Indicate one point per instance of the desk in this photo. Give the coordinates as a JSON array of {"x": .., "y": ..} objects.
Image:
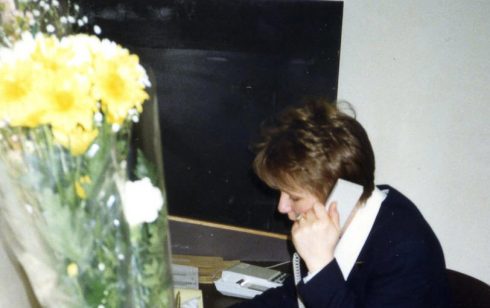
[
  {"x": 201, "y": 239},
  {"x": 190, "y": 237},
  {"x": 213, "y": 299}
]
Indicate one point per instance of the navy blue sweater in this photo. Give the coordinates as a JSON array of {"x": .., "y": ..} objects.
[{"x": 400, "y": 265}]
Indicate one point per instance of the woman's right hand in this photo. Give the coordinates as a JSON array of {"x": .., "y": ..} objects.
[{"x": 316, "y": 234}]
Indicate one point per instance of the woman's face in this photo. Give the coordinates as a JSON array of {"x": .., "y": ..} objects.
[{"x": 294, "y": 203}]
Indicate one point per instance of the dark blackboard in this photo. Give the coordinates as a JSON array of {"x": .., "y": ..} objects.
[{"x": 222, "y": 67}]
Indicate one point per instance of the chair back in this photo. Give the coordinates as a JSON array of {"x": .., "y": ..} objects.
[{"x": 467, "y": 291}]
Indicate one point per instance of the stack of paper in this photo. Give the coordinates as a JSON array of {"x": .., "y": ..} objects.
[
  {"x": 209, "y": 268},
  {"x": 186, "y": 286}
]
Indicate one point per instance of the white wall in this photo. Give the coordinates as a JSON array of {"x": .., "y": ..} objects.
[{"x": 418, "y": 74}]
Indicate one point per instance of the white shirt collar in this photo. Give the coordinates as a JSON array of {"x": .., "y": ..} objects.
[{"x": 350, "y": 245}]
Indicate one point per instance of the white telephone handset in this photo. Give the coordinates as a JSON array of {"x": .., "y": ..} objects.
[{"x": 346, "y": 194}]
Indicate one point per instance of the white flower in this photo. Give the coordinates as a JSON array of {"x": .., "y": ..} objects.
[
  {"x": 141, "y": 202},
  {"x": 97, "y": 30},
  {"x": 50, "y": 28},
  {"x": 94, "y": 148},
  {"x": 21, "y": 50}
]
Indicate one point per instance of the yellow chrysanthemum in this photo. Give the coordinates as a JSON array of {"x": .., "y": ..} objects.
[
  {"x": 68, "y": 99},
  {"x": 82, "y": 50},
  {"x": 77, "y": 140},
  {"x": 79, "y": 189},
  {"x": 72, "y": 270},
  {"x": 63, "y": 83},
  {"x": 18, "y": 87},
  {"x": 49, "y": 55},
  {"x": 86, "y": 46},
  {"x": 85, "y": 179},
  {"x": 118, "y": 83},
  {"x": 49, "y": 84}
]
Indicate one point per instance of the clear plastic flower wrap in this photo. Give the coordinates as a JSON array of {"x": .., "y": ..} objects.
[{"x": 69, "y": 205}]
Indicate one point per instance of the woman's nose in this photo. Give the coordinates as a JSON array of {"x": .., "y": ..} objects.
[{"x": 284, "y": 206}]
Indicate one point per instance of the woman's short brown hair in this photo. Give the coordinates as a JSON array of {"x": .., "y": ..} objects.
[{"x": 311, "y": 146}]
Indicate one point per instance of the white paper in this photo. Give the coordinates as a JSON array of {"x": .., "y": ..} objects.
[{"x": 185, "y": 276}]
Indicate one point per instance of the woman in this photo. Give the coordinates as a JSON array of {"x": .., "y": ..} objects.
[{"x": 386, "y": 255}]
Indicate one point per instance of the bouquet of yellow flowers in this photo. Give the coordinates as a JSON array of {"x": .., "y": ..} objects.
[{"x": 84, "y": 232}]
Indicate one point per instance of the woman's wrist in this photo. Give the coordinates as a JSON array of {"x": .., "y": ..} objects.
[{"x": 316, "y": 265}]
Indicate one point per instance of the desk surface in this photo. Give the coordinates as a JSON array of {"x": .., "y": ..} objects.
[
  {"x": 229, "y": 245},
  {"x": 213, "y": 299}
]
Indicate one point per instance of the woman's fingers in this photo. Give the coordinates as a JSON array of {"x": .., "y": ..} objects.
[
  {"x": 320, "y": 211},
  {"x": 333, "y": 213}
]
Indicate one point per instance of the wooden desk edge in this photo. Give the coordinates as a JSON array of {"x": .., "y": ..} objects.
[{"x": 227, "y": 227}]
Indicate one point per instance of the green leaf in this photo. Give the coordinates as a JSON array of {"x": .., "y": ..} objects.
[{"x": 145, "y": 168}]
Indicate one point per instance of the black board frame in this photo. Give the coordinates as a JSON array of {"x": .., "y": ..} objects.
[{"x": 222, "y": 67}]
